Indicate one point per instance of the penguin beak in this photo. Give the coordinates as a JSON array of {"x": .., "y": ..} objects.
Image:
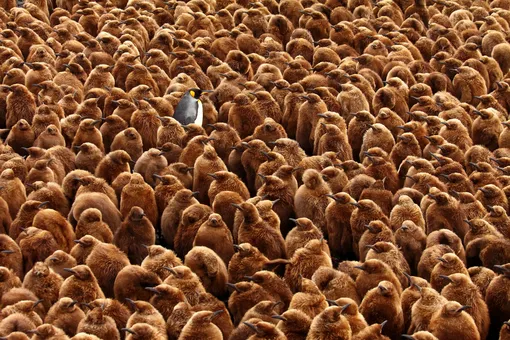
[
  {"x": 152, "y": 289},
  {"x": 215, "y": 314},
  {"x": 279, "y": 317}
]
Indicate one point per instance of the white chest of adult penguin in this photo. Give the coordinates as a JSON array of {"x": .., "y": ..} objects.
[{"x": 190, "y": 110}]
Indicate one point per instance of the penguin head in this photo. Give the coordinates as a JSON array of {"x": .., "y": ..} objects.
[{"x": 196, "y": 93}]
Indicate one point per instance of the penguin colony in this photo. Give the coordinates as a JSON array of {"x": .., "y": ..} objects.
[{"x": 347, "y": 176}]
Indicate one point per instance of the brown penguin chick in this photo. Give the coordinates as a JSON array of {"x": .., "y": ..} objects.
[
  {"x": 374, "y": 331},
  {"x": 88, "y": 157},
  {"x": 193, "y": 149},
  {"x": 208, "y": 162},
  {"x": 138, "y": 279},
  {"x": 15, "y": 197},
  {"x": 245, "y": 296},
  {"x": 145, "y": 121},
  {"x": 130, "y": 197},
  {"x": 188, "y": 282},
  {"x": 445, "y": 213},
  {"x": 136, "y": 226},
  {"x": 357, "y": 127},
  {"x": 411, "y": 240},
  {"x": 391, "y": 255},
  {"x": 143, "y": 331},
  {"x": 226, "y": 181},
  {"x": 173, "y": 212},
  {"x": 334, "y": 140},
  {"x": 376, "y": 231},
  {"x": 406, "y": 210},
  {"x": 273, "y": 162},
  {"x": 209, "y": 267},
  {"x": 305, "y": 262},
  {"x": 468, "y": 83},
  {"x": 262, "y": 311},
  {"x": 487, "y": 128},
  {"x": 60, "y": 260},
  {"x": 429, "y": 259},
  {"x": 269, "y": 131},
  {"x": 130, "y": 141},
  {"x": 96, "y": 322},
  {"x": 112, "y": 165},
  {"x": 498, "y": 217},
  {"x": 496, "y": 295},
  {"x": 374, "y": 271},
  {"x": 257, "y": 232},
  {"x": 338, "y": 215},
  {"x": 225, "y": 137},
  {"x": 407, "y": 145},
  {"x": 144, "y": 312},
  {"x": 111, "y": 126},
  {"x": 311, "y": 201},
  {"x": 471, "y": 207},
  {"x": 91, "y": 223},
  {"x": 452, "y": 320},
  {"x": 33, "y": 239},
  {"x": 200, "y": 325},
  {"x": 20, "y": 105},
  {"x": 335, "y": 284},
  {"x": 192, "y": 218},
  {"x": 479, "y": 228},
  {"x": 299, "y": 236},
  {"x": 106, "y": 271},
  {"x": 377, "y": 136},
  {"x": 9, "y": 280},
  {"x": 180, "y": 315},
  {"x": 282, "y": 196},
  {"x": 350, "y": 312},
  {"x": 308, "y": 298},
  {"x": 50, "y": 137},
  {"x": 307, "y": 120},
  {"x": 81, "y": 286},
  {"x": 243, "y": 116},
  {"x": 151, "y": 162},
  {"x": 21, "y": 135},
  {"x": 384, "y": 297},
  {"x": 158, "y": 258},
  {"x": 170, "y": 131},
  {"x": 247, "y": 261},
  {"x": 47, "y": 331},
  {"x": 274, "y": 285},
  {"x": 57, "y": 225},
  {"x": 492, "y": 195},
  {"x": 481, "y": 277},
  {"x": 215, "y": 235},
  {"x": 251, "y": 159},
  {"x": 83, "y": 248},
  {"x": 379, "y": 195},
  {"x": 330, "y": 321},
  {"x": 464, "y": 291},
  {"x": 66, "y": 315},
  {"x": 166, "y": 189},
  {"x": 91, "y": 195},
  {"x": 89, "y": 133},
  {"x": 365, "y": 212},
  {"x": 294, "y": 324},
  {"x": 448, "y": 264},
  {"x": 454, "y": 132},
  {"x": 165, "y": 298},
  {"x": 10, "y": 255},
  {"x": 41, "y": 172},
  {"x": 428, "y": 303}
]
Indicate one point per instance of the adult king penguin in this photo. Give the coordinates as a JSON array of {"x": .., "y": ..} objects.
[{"x": 190, "y": 109}]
